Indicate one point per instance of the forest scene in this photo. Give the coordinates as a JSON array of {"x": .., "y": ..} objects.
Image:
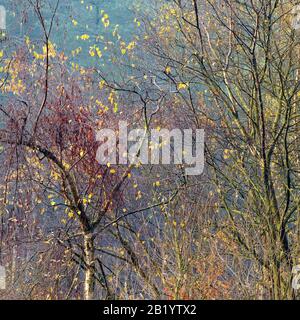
[{"x": 149, "y": 150}]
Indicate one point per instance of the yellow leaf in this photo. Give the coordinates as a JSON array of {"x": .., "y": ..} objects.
[
  {"x": 85, "y": 37},
  {"x": 226, "y": 154},
  {"x": 182, "y": 86},
  {"x": 168, "y": 70},
  {"x": 105, "y": 20},
  {"x": 71, "y": 214}
]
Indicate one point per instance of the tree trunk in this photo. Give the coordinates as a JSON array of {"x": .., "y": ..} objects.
[{"x": 89, "y": 252}]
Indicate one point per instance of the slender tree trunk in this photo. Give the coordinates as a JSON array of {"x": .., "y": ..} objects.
[
  {"x": 276, "y": 282},
  {"x": 89, "y": 252}
]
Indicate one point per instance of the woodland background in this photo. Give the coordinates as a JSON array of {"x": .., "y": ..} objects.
[{"x": 73, "y": 229}]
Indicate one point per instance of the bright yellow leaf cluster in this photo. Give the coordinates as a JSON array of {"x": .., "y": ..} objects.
[
  {"x": 105, "y": 20},
  {"x": 94, "y": 50},
  {"x": 84, "y": 37}
]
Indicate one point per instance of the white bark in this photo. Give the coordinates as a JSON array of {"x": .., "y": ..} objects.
[{"x": 89, "y": 282}]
